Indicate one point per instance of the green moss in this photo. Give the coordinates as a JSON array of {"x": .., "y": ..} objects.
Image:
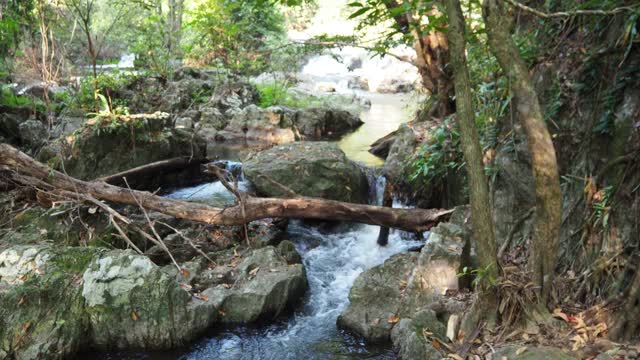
[{"x": 73, "y": 259}]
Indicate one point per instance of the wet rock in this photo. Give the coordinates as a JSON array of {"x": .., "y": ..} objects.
[
  {"x": 33, "y": 133},
  {"x": 408, "y": 340},
  {"x": 393, "y": 86},
  {"x": 288, "y": 251},
  {"x": 261, "y": 287},
  {"x": 131, "y": 303},
  {"x": 316, "y": 169},
  {"x": 212, "y": 117},
  {"x": 271, "y": 125},
  {"x": 325, "y": 123},
  {"x": 100, "y": 153},
  {"x": 382, "y": 146},
  {"x": 41, "y": 312},
  {"x": 184, "y": 123},
  {"x": 374, "y": 299},
  {"x": 358, "y": 83}
]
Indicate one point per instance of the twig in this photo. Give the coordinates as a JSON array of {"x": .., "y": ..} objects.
[
  {"x": 187, "y": 239},
  {"x": 157, "y": 240},
  {"x": 241, "y": 196},
  {"x": 288, "y": 192},
  {"x": 561, "y": 14}
]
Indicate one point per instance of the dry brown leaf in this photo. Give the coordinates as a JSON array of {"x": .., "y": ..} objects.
[
  {"x": 557, "y": 313},
  {"x": 134, "y": 316},
  {"x": 26, "y": 327},
  {"x": 221, "y": 312},
  {"x": 226, "y": 286},
  {"x": 254, "y": 271},
  {"x": 185, "y": 272},
  {"x": 393, "y": 319},
  {"x": 201, "y": 296},
  {"x": 23, "y": 300}
]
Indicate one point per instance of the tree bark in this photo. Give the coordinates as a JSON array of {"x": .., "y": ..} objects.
[
  {"x": 482, "y": 220},
  {"x": 432, "y": 52},
  {"x": 26, "y": 171},
  {"x": 543, "y": 157}
]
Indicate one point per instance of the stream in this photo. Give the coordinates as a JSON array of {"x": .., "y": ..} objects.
[{"x": 333, "y": 260}]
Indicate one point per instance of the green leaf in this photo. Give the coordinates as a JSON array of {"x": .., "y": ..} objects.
[{"x": 358, "y": 12}]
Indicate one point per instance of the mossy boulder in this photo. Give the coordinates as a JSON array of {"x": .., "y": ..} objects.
[
  {"x": 375, "y": 298},
  {"x": 316, "y": 169},
  {"x": 261, "y": 287},
  {"x": 57, "y": 301},
  {"x": 409, "y": 340},
  {"x": 100, "y": 150},
  {"x": 131, "y": 303},
  {"x": 41, "y": 305}
]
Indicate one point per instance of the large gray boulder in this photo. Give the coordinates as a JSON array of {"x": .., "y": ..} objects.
[
  {"x": 56, "y": 301},
  {"x": 316, "y": 169},
  {"x": 325, "y": 123},
  {"x": 375, "y": 298},
  {"x": 131, "y": 303},
  {"x": 274, "y": 125},
  {"x": 262, "y": 286},
  {"x": 41, "y": 304},
  {"x": 409, "y": 340},
  {"x": 404, "y": 295},
  {"x": 97, "y": 151}
]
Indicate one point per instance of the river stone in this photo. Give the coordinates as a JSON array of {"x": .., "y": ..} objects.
[
  {"x": 263, "y": 287},
  {"x": 272, "y": 125},
  {"x": 41, "y": 312},
  {"x": 100, "y": 153},
  {"x": 131, "y": 303},
  {"x": 325, "y": 123},
  {"x": 316, "y": 169},
  {"x": 288, "y": 251},
  {"x": 212, "y": 117},
  {"x": 33, "y": 133},
  {"x": 409, "y": 341},
  {"x": 375, "y": 298}
]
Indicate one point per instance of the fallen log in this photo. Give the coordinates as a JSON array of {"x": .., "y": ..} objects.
[
  {"x": 27, "y": 171},
  {"x": 176, "y": 172}
]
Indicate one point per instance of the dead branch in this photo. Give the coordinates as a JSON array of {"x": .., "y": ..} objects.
[{"x": 562, "y": 14}]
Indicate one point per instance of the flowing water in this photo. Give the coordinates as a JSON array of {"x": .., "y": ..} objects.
[{"x": 333, "y": 262}]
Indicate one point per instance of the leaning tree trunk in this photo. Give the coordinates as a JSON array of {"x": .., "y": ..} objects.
[
  {"x": 26, "y": 171},
  {"x": 432, "y": 53},
  {"x": 543, "y": 157},
  {"x": 482, "y": 220}
]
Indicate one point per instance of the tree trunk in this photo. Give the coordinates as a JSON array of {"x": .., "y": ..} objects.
[
  {"x": 482, "y": 220},
  {"x": 432, "y": 52},
  {"x": 543, "y": 157},
  {"x": 26, "y": 171}
]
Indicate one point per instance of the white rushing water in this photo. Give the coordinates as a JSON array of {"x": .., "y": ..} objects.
[{"x": 333, "y": 262}]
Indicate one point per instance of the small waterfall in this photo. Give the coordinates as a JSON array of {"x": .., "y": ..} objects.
[{"x": 233, "y": 167}]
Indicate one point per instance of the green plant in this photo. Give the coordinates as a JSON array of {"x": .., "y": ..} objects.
[
  {"x": 438, "y": 156},
  {"x": 107, "y": 83},
  {"x": 10, "y": 100},
  {"x": 480, "y": 275}
]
